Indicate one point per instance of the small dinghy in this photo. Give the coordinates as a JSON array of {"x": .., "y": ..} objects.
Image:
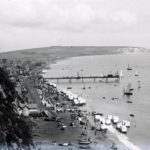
[
  {"x": 84, "y": 146},
  {"x": 84, "y": 142}
]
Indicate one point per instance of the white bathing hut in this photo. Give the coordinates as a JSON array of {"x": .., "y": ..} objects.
[
  {"x": 123, "y": 129},
  {"x": 115, "y": 119},
  {"x": 126, "y": 123}
]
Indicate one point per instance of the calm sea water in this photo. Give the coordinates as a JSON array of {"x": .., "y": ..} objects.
[{"x": 139, "y": 133}]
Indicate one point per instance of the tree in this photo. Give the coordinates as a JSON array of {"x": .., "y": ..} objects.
[{"x": 13, "y": 128}]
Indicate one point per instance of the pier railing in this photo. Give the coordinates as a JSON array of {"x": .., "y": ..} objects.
[{"x": 84, "y": 77}]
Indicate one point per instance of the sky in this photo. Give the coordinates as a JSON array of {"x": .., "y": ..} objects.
[{"x": 40, "y": 23}]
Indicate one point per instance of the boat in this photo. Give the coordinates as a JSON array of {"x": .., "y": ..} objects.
[
  {"x": 136, "y": 73},
  {"x": 129, "y": 68},
  {"x": 121, "y": 74},
  {"x": 84, "y": 146},
  {"x": 84, "y": 142},
  {"x": 139, "y": 84},
  {"x": 69, "y": 88},
  {"x": 128, "y": 90},
  {"x": 129, "y": 102}
]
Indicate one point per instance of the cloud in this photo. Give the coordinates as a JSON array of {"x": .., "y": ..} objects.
[
  {"x": 40, "y": 22},
  {"x": 51, "y": 15}
]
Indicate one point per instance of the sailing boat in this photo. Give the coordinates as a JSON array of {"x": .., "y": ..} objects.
[
  {"x": 128, "y": 90},
  {"x": 129, "y": 68},
  {"x": 139, "y": 84},
  {"x": 121, "y": 74},
  {"x": 136, "y": 73}
]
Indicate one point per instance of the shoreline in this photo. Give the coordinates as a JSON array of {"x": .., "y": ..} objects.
[
  {"x": 34, "y": 65},
  {"x": 124, "y": 141},
  {"x": 109, "y": 144}
]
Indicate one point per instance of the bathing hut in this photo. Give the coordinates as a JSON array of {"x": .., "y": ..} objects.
[{"x": 29, "y": 109}]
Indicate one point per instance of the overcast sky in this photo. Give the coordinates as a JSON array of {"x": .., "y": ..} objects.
[{"x": 38, "y": 23}]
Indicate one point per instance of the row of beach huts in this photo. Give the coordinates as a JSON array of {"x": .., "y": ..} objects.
[{"x": 105, "y": 122}]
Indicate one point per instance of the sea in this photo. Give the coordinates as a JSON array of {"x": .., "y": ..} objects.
[{"x": 107, "y": 97}]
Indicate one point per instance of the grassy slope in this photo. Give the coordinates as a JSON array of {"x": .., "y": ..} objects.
[{"x": 58, "y": 52}]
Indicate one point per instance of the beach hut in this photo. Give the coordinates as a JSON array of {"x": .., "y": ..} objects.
[
  {"x": 29, "y": 109},
  {"x": 108, "y": 121},
  {"x": 123, "y": 129},
  {"x": 25, "y": 111},
  {"x": 82, "y": 101},
  {"x": 76, "y": 102},
  {"x": 115, "y": 119},
  {"x": 119, "y": 124}
]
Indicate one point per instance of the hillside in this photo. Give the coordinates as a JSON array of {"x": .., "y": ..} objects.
[{"x": 60, "y": 52}]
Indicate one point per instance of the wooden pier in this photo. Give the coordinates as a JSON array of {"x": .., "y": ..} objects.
[{"x": 84, "y": 77}]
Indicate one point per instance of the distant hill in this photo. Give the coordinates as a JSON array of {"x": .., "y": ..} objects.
[{"x": 60, "y": 52}]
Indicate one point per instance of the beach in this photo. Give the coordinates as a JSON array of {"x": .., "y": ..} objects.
[
  {"x": 108, "y": 106},
  {"x": 104, "y": 97}
]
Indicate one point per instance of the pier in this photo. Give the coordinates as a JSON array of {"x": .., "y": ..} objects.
[{"x": 84, "y": 77}]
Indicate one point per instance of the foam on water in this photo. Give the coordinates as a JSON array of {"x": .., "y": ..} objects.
[{"x": 123, "y": 139}]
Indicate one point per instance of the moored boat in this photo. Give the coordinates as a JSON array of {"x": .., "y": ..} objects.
[
  {"x": 136, "y": 73},
  {"x": 128, "y": 90},
  {"x": 84, "y": 142},
  {"x": 121, "y": 74},
  {"x": 129, "y": 68}
]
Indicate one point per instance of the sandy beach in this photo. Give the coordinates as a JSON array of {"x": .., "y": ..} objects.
[{"x": 107, "y": 107}]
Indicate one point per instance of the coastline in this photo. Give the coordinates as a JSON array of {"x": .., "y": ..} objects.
[
  {"x": 106, "y": 139},
  {"x": 118, "y": 141},
  {"x": 103, "y": 141}
]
